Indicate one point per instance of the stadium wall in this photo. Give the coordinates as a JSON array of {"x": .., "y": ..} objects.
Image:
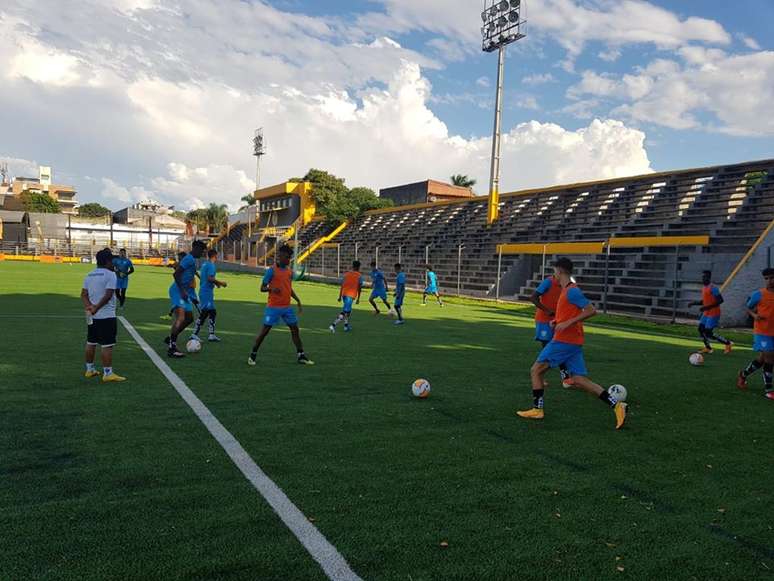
[{"x": 745, "y": 279}]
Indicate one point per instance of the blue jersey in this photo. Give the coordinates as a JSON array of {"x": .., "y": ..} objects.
[
  {"x": 122, "y": 266},
  {"x": 400, "y": 285},
  {"x": 377, "y": 277},
  {"x": 205, "y": 272},
  {"x": 432, "y": 280},
  {"x": 188, "y": 267}
]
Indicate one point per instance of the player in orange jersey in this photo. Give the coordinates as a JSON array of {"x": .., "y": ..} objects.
[
  {"x": 545, "y": 299},
  {"x": 710, "y": 302},
  {"x": 760, "y": 307},
  {"x": 567, "y": 348},
  {"x": 278, "y": 282},
  {"x": 351, "y": 287}
]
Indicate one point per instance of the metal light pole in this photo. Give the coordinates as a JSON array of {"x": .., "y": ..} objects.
[
  {"x": 502, "y": 26},
  {"x": 259, "y": 150}
]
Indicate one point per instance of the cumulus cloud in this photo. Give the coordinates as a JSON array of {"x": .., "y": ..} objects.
[
  {"x": 170, "y": 116},
  {"x": 20, "y": 167},
  {"x": 734, "y": 90},
  {"x": 538, "y": 79}
]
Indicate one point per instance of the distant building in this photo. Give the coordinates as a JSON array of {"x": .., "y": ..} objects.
[
  {"x": 148, "y": 212},
  {"x": 42, "y": 184},
  {"x": 425, "y": 192}
]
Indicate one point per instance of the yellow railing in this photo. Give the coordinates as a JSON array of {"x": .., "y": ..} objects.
[
  {"x": 320, "y": 242},
  {"x": 598, "y": 247}
]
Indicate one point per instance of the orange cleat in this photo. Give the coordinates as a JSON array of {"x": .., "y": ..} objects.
[
  {"x": 707, "y": 350},
  {"x": 533, "y": 414},
  {"x": 741, "y": 381},
  {"x": 620, "y": 414},
  {"x": 728, "y": 348}
]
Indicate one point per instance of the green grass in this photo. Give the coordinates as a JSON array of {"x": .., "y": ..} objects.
[{"x": 123, "y": 482}]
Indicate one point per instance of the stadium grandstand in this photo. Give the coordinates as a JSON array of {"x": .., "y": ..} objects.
[{"x": 640, "y": 243}]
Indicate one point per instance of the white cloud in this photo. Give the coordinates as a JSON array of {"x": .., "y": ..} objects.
[
  {"x": 539, "y": 79},
  {"x": 751, "y": 43},
  {"x": 47, "y": 66},
  {"x": 734, "y": 90},
  {"x": 20, "y": 167},
  {"x": 197, "y": 187},
  {"x": 113, "y": 191},
  {"x": 528, "y": 102},
  {"x": 484, "y": 82}
]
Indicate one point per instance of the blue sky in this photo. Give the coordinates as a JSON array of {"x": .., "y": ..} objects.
[{"x": 129, "y": 99}]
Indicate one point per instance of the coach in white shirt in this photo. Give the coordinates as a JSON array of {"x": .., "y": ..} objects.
[{"x": 99, "y": 300}]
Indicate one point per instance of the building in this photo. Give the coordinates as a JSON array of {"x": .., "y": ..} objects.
[
  {"x": 425, "y": 192},
  {"x": 42, "y": 184},
  {"x": 281, "y": 205},
  {"x": 148, "y": 212}
]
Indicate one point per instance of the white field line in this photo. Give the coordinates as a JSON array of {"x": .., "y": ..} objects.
[{"x": 332, "y": 562}]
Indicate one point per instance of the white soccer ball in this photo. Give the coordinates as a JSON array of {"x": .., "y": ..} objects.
[
  {"x": 420, "y": 388},
  {"x": 696, "y": 359},
  {"x": 193, "y": 346},
  {"x": 618, "y": 392}
]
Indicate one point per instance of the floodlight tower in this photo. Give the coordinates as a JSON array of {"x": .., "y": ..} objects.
[
  {"x": 259, "y": 150},
  {"x": 503, "y": 22}
]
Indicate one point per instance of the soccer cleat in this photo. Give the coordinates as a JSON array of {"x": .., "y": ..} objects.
[
  {"x": 769, "y": 394},
  {"x": 332, "y": 328},
  {"x": 533, "y": 414},
  {"x": 567, "y": 382},
  {"x": 167, "y": 340},
  {"x": 377, "y": 313},
  {"x": 400, "y": 322},
  {"x": 213, "y": 338},
  {"x": 424, "y": 304},
  {"x": 92, "y": 373},
  {"x": 304, "y": 360},
  {"x": 741, "y": 381},
  {"x": 620, "y": 414},
  {"x": 175, "y": 354},
  {"x": 251, "y": 361},
  {"x": 113, "y": 377},
  {"x": 194, "y": 337},
  {"x": 707, "y": 350},
  {"x": 728, "y": 348},
  {"x": 347, "y": 328}
]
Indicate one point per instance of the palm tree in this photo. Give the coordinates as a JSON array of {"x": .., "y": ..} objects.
[
  {"x": 217, "y": 217},
  {"x": 249, "y": 200},
  {"x": 463, "y": 181}
]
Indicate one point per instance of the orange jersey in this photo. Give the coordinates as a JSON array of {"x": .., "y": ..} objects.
[
  {"x": 570, "y": 305},
  {"x": 281, "y": 279},
  {"x": 763, "y": 303},
  {"x": 709, "y": 296},
  {"x": 350, "y": 286},
  {"x": 549, "y": 299}
]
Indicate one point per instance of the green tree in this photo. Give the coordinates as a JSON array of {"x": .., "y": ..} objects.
[
  {"x": 249, "y": 200},
  {"x": 463, "y": 181},
  {"x": 336, "y": 202},
  {"x": 34, "y": 202},
  {"x": 198, "y": 218},
  {"x": 217, "y": 217},
  {"x": 93, "y": 210}
]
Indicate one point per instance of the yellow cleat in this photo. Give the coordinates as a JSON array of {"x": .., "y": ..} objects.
[
  {"x": 92, "y": 373},
  {"x": 533, "y": 414},
  {"x": 620, "y": 414},
  {"x": 728, "y": 348},
  {"x": 113, "y": 377}
]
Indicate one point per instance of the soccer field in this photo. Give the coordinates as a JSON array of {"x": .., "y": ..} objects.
[{"x": 123, "y": 481}]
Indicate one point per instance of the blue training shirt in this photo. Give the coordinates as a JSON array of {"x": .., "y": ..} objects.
[
  {"x": 544, "y": 287},
  {"x": 577, "y": 298},
  {"x": 400, "y": 284},
  {"x": 377, "y": 277},
  {"x": 205, "y": 272},
  {"x": 754, "y": 299},
  {"x": 432, "y": 279},
  {"x": 188, "y": 266},
  {"x": 122, "y": 266}
]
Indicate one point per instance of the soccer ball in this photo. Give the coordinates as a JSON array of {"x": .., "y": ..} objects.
[
  {"x": 618, "y": 392},
  {"x": 420, "y": 388},
  {"x": 193, "y": 346},
  {"x": 696, "y": 359}
]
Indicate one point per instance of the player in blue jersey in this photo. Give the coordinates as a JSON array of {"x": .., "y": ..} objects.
[
  {"x": 123, "y": 267},
  {"x": 379, "y": 288},
  {"x": 207, "y": 310},
  {"x": 400, "y": 292},
  {"x": 432, "y": 287},
  {"x": 181, "y": 295}
]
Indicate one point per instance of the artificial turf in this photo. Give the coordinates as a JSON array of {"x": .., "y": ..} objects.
[{"x": 121, "y": 481}]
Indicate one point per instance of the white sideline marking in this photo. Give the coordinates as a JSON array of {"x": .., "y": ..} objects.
[{"x": 321, "y": 550}]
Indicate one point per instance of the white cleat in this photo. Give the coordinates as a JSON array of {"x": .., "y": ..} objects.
[
  {"x": 213, "y": 338},
  {"x": 195, "y": 337},
  {"x": 332, "y": 329},
  {"x": 251, "y": 362},
  {"x": 399, "y": 322}
]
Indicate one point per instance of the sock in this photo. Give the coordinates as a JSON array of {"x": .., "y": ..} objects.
[
  {"x": 211, "y": 323},
  {"x": 537, "y": 398},
  {"x": 198, "y": 326},
  {"x": 90, "y": 367},
  {"x": 720, "y": 339},
  {"x": 768, "y": 374},
  {"x": 107, "y": 370},
  {"x": 754, "y": 366},
  {"x": 608, "y": 399},
  {"x": 563, "y": 371},
  {"x": 254, "y": 353},
  {"x": 300, "y": 354}
]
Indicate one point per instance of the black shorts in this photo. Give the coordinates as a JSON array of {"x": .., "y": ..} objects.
[{"x": 102, "y": 332}]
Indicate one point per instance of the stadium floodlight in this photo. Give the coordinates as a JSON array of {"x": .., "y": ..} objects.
[
  {"x": 259, "y": 150},
  {"x": 504, "y": 23}
]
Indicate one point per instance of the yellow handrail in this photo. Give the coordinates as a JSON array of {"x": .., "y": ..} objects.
[
  {"x": 747, "y": 256},
  {"x": 320, "y": 241}
]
